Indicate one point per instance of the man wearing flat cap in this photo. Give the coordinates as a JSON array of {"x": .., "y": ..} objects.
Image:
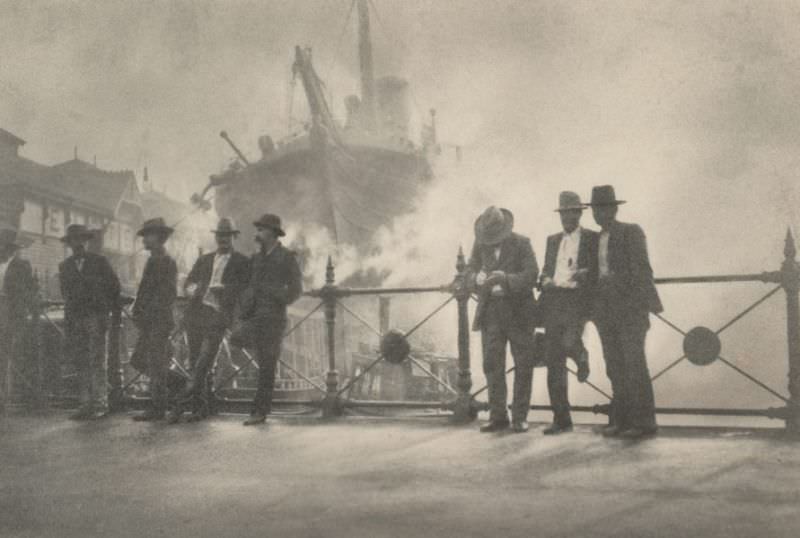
[
  {"x": 275, "y": 283},
  {"x": 568, "y": 276},
  {"x": 17, "y": 297},
  {"x": 214, "y": 287},
  {"x": 153, "y": 315},
  {"x": 503, "y": 270},
  {"x": 90, "y": 289},
  {"x": 624, "y": 298}
]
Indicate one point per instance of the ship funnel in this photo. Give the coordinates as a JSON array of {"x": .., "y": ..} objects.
[{"x": 393, "y": 105}]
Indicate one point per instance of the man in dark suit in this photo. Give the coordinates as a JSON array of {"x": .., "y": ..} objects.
[
  {"x": 214, "y": 286},
  {"x": 625, "y": 296},
  {"x": 90, "y": 290},
  {"x": 153, "y": 315},
  {"x": 17, "y": 296},
  {"x": 568, "y": 276},
  {"x": 503, "y": 270},
  {"x": 275, "y": 283}
]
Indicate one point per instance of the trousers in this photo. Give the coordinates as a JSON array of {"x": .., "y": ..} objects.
[
  {"x": 565, "y": 316},
  {"x": 86, "y": 341},
  {"x": 623, "y": 335},
  {"x": 204, "y": 342},
  {"x": 496, "y": 335},
  {"x": 154, "y": 349},
  {"x": 268, "y": 342}
]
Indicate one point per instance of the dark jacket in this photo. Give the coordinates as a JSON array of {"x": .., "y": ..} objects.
[
  {"x": 587, "y": 259},
  {"x": 19, "y": 292},
  {"x": 518, "y": 261},
  {"x": 92, "y": 290},
  {"x": 156, "y": 295},
  {"x": 235, "y": 279},
  {"x": 630, "y": 286},
  {"x": 275, "y": 283}
]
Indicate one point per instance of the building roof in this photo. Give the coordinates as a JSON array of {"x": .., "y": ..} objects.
[
  {"x": 74, "y": 181},
  {"x": 10, "y": 138}
]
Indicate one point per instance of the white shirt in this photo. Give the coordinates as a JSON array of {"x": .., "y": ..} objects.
[
  {"x": 603, "y": 254},
  {"x": 567, "y": 259},
  {"x": 3, "y": 269},
  {"x": 220, "y": 262}
]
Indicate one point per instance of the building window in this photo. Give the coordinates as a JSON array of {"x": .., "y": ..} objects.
[{"x": 32, "y": 214}]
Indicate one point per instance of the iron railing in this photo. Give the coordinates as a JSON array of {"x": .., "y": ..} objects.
[{"x": 701, "y": 347}]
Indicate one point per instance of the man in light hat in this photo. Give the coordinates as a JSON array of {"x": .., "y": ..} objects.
[
  {"x": 153, "y": 315},
  {"x": 17, "y": 297},
  {"x": 90, "y": 290},
  {"x": 275, "y": 283},
  {"x": 503, "y": 271},
  {"x": 214, "y": 287},
  {"x": 625, "y": 296},
  {"x": 568, "y": 276}
]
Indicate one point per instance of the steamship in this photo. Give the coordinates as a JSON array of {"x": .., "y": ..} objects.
[{"x": 349, "y": 178}]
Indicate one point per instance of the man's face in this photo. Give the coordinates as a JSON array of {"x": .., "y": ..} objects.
[
  {"x": 570, "y": 219},
  {"x": 76, "y": 244},
  {"x": 266, "y": 236},
  {"x": 224, "y": 242},
  {"x": 604, "y": 215},
  {"x": 151, "y": 241}
]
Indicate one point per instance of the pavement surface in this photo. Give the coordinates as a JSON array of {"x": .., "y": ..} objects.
[{"x": 373, "y": 478}]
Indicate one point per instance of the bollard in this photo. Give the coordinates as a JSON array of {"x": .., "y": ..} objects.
[
  {"x": 464, "y": 410},
  {"x": 790, "y": 280},
  {"x": 330, "y": 405}
]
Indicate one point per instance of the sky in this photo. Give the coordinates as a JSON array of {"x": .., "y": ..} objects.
[{"x": 689, "y": 108}]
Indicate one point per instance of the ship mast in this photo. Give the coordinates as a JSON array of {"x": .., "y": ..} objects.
[{"x": 365, "y": 61}]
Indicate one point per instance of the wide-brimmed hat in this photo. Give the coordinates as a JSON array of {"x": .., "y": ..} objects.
[
  {"x": 271, "y": 222},
  {"x": 493, "y": 226},
  {"x": 226, "y": 226},
  {"x": 604, "y": 195},
  {"x": 569, "y": 201},
  {"x": 156, "y": 225},
  {"x": 79, "y": 232}
]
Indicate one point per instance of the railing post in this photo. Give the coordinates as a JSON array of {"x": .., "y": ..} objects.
[
  {"x": 331, "y": 406},
  {"x": 790, "y": 280},
  {"x": 464, "y": 411},
  {"x": 114, "y": 366},
  {"x": 37, "y": 333}
]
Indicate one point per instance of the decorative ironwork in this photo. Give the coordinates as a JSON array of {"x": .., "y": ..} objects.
[{"x": 701, "y": 346}]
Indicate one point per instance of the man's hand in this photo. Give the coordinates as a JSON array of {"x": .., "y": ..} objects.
[
  {"x": 480, "y": 279},
  {"x": 495, "y": 277},
  {"x": 580, "y": 276},
  {"x": 191, "y": 289}
]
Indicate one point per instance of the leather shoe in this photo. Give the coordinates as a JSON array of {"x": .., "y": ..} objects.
[
  {"x": 555, "y": 429},
  {"x": 174, "y": 416},
  {"x": 255, "y": 419},
  {"x": 638, "y": 433},
  {"x": 149, "y": 416},
  {"x": 610, "y": 431},
  {"x": 494, "y": 426},
  {"x": 519, "y": 426},
  {"x": 195, "y": 417},
  {"x": 583, "y": 366},
  {"x": 84, "y": 413}
]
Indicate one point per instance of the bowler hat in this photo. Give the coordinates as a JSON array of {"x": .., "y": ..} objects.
[
  {"x": 569, "y": 201},
  {"x": 270, "y": 222},
  {"x": 493, "y": 226},
  {"x": 604, "y": 195},
  {"x": 226, "y": 226},
  {"x": 79, "y": 232},
  {"x": 156, "y": 225}
]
